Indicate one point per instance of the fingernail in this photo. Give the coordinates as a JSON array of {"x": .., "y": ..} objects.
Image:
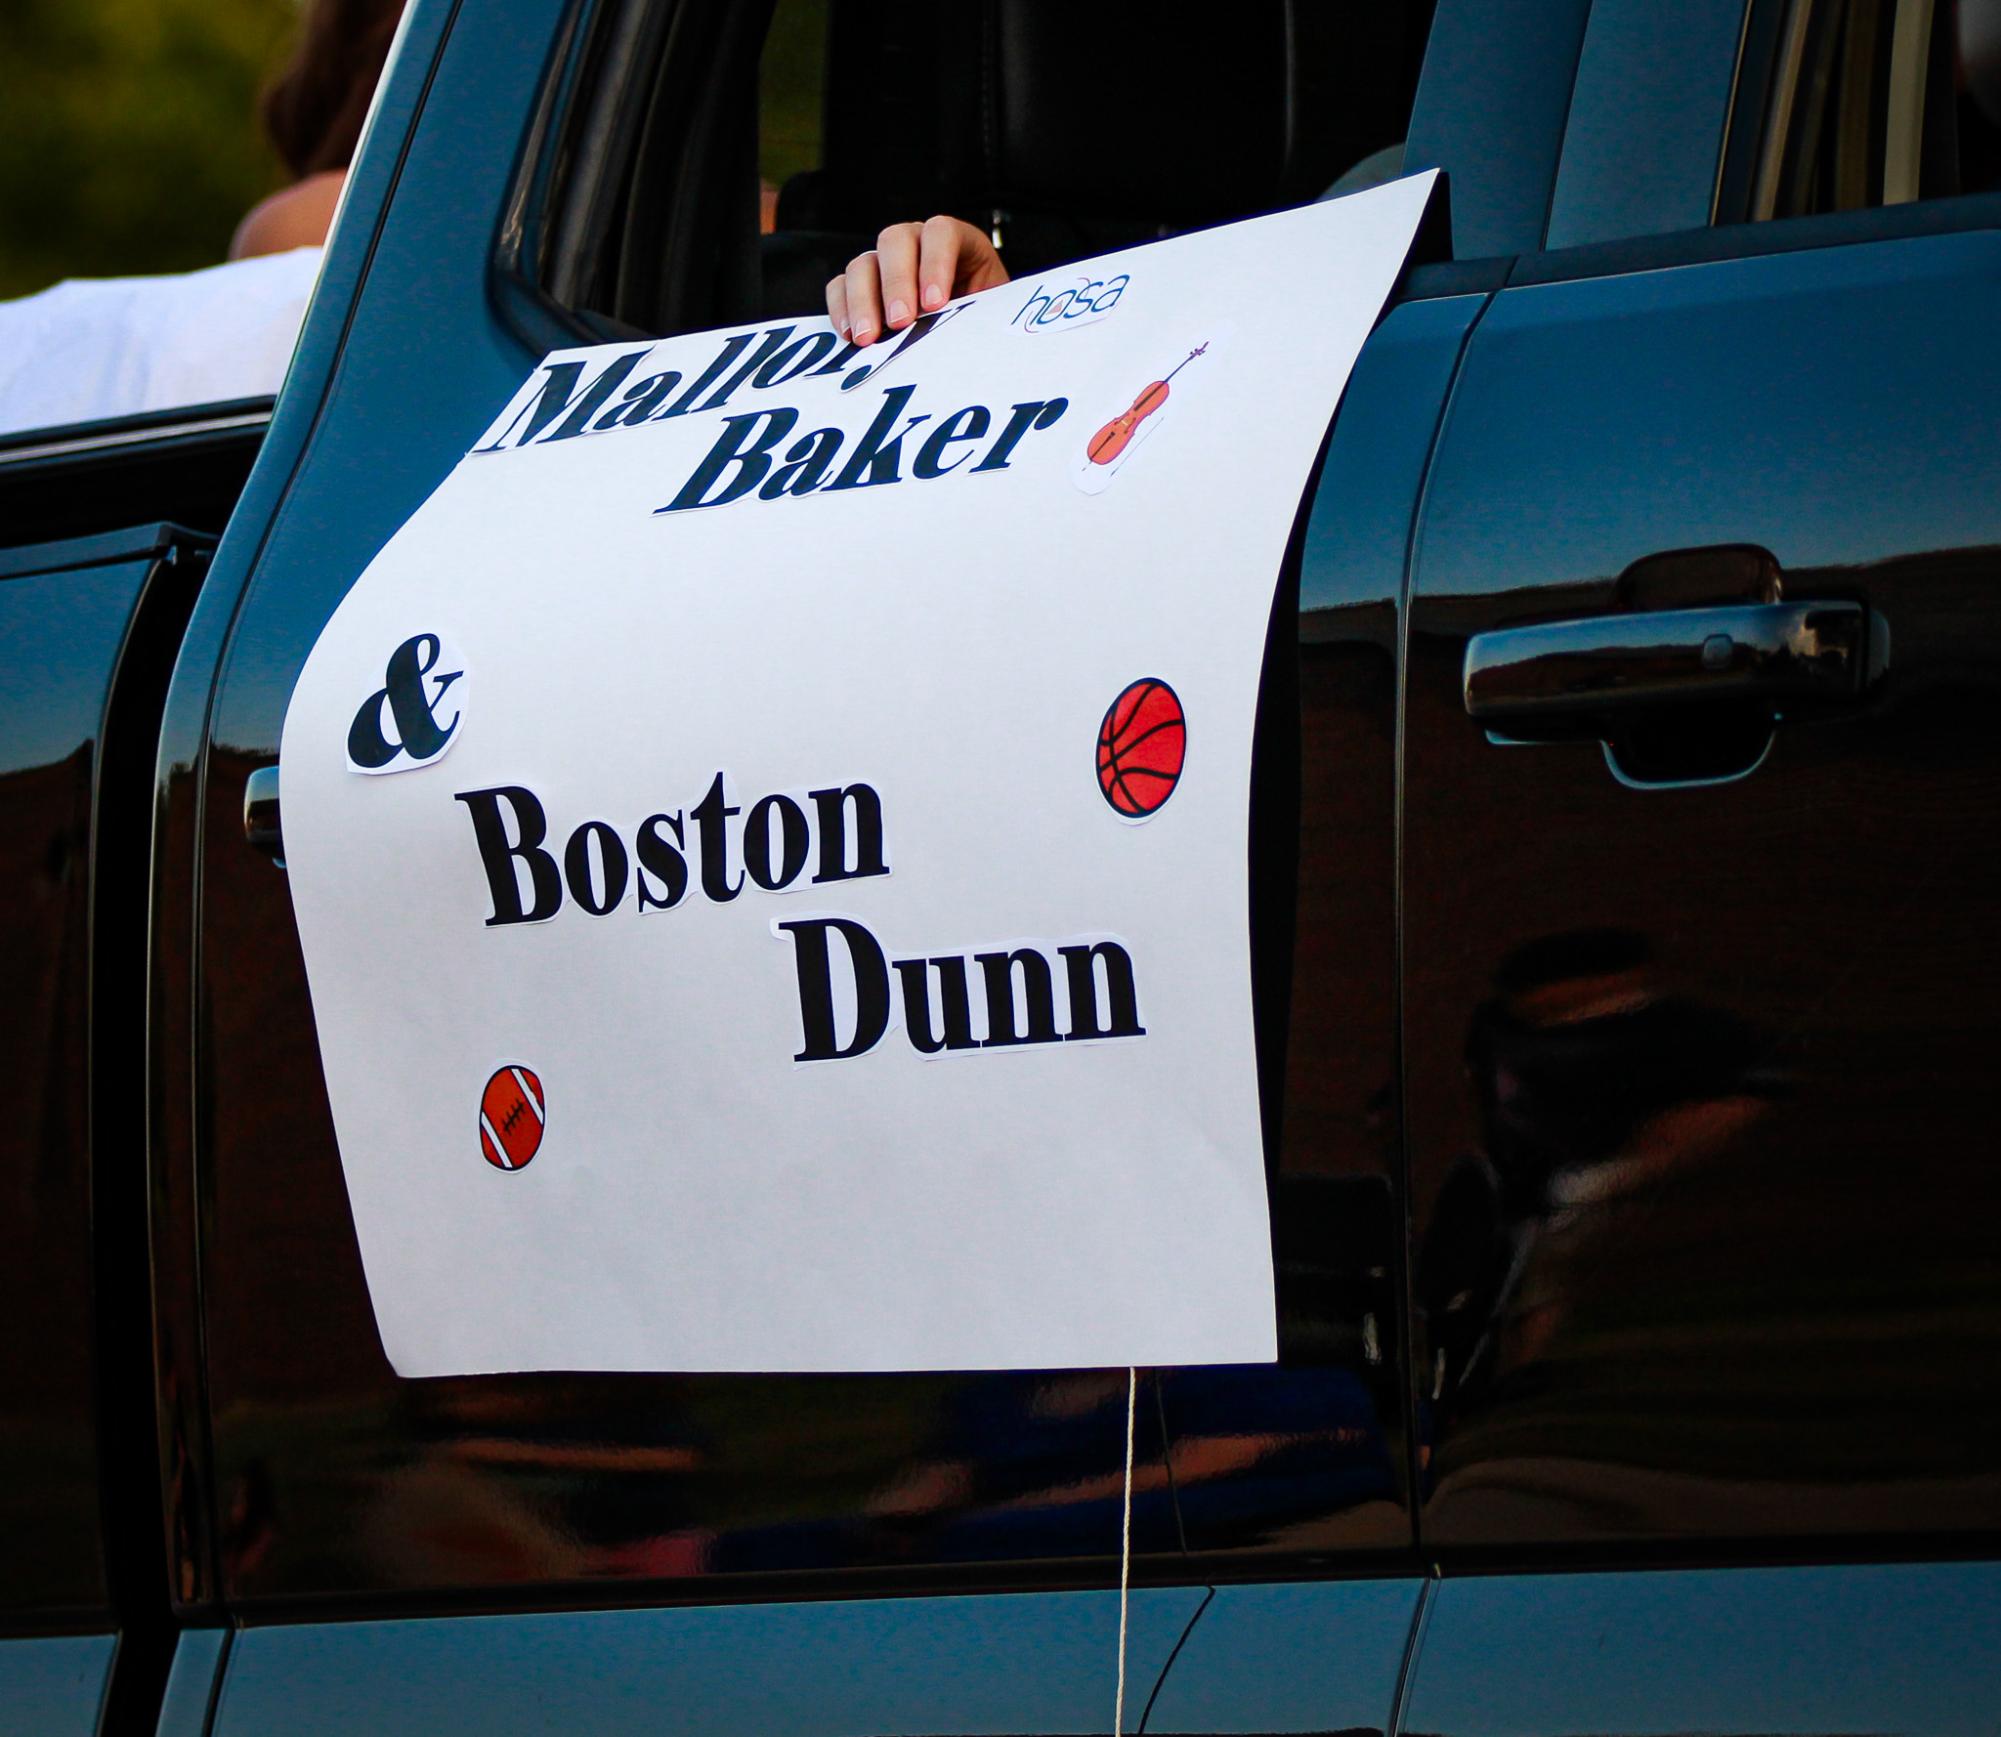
[
  {"x": 898, "y": 313},
  {"x": 864, "y": 334},
  {"x": 933, "y": 295}
]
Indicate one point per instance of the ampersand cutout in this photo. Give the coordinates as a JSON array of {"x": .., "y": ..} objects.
[{"x": 413, "y": 688}]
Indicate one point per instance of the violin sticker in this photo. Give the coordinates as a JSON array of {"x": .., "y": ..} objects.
[{"x": 1113, "y": 444}]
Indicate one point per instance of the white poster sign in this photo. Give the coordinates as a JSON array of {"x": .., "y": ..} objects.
[{"x": 768, "y": 835}]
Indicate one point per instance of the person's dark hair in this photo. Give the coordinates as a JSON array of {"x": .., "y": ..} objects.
[{"x": 314, "y": 108}]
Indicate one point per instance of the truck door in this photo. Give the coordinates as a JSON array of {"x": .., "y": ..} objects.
[
  {"x": 88, "y": 626},
  {"x": 1700, "y": 782},
  {"x": 105, "y": 532},
  {"x": 318, "y": 1480}
]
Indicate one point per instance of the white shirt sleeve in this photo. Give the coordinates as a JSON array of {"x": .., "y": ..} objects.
[{"x": 98, "y": 347}]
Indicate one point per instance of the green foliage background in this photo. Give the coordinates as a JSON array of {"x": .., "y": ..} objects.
[{"x": 128, "y": 132}]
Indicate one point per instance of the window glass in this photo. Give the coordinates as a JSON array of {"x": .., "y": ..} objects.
[
  {"x": 1722, "y": 111},
  {"x": 1879, "y": 102},
  {"x": 792, "y": 75},
  {"x": 717, "y": 163}
]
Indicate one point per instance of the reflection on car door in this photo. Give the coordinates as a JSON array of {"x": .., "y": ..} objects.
[
  {"x": 1893, "y": 1647},
  {"x": 1699, "y": 919},
  {"x": 840, "y": 1668}
]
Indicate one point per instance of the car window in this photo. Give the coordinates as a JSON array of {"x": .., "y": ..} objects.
[
  {"x": 1878, "y": 102},
  {"x": 1720, "y": 113},
  {"x": 716, "y": 164},
  {"x": 791, "y": 107}
]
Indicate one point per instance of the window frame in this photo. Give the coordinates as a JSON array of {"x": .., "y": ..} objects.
[
  {"x": 518, "y": 269},
  {"x": 1658, "y": 73}
]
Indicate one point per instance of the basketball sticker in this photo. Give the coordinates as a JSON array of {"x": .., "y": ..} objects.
[
  {"x": 512, "y": 1115},
  {"x": 1141, "y": 747}
]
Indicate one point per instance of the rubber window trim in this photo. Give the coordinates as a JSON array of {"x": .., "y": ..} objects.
[{"x": 1958, "y": 215}]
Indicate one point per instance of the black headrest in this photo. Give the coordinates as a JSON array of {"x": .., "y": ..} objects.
[
  {"x": 1130, "y": 109},
  {"x": 1184, "y": 118},
  {"x": 901, "y": 83}
]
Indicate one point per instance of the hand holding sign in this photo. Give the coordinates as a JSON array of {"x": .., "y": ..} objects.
[{"x": 913, "y": 268}]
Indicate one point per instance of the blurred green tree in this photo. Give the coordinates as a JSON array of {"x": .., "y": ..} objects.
[{"x": 128, "y": 132}]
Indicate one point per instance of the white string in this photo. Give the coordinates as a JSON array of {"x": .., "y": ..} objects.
[{"x": 1125, "y": 1550}]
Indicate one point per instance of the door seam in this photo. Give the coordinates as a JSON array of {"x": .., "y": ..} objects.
[
  {"x": 1160, "y": 1682},
  {"x": 1406, "y": 1249},
  {"x": 1420, "y": 1619},
  {"x": 222, "y": 1658}
]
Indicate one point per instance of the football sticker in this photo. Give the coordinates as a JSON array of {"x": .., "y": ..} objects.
[
  {"x": 512, "y": 1115},
  {"x": 1141, "y": 747}
]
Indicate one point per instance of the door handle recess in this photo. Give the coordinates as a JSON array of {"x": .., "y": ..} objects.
[
  {"x": 1609, "y": 665},
  {"x": 261, "y": 827}
]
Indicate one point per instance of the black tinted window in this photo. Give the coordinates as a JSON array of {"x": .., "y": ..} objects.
[
  {"x": 1879, "y": 102},
  {"x": 719, "y": 163}
]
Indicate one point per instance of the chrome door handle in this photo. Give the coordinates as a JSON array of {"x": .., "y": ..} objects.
[{"x": 1608, "y": 665}]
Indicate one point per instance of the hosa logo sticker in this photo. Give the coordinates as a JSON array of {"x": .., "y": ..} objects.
[
  {"x": 1083, "y": 303},
  {"x": 413, "y": 718}
]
